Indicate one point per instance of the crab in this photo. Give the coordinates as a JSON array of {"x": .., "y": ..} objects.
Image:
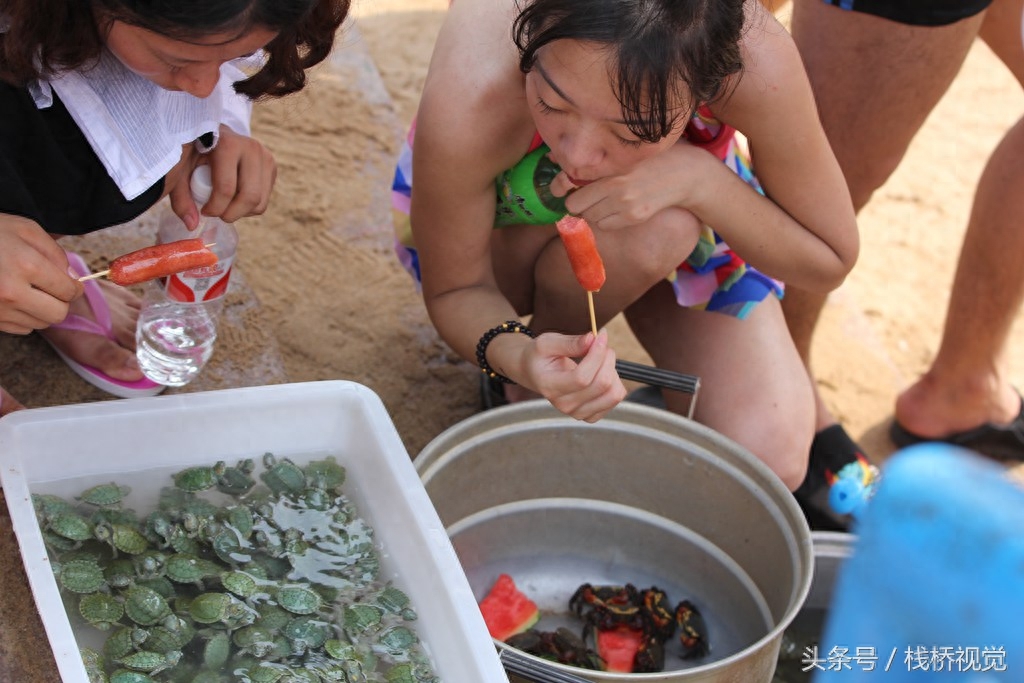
[
  {"x": 693, "y": 630},
  {"x": 606, "y": 607},
  {"x": 561, "y": 645}
]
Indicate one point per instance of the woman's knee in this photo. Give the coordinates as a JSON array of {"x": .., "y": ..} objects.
[{"x": 662, "y": 243}]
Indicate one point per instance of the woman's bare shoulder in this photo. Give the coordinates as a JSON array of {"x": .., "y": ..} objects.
[{"x": 474, "y": 89}]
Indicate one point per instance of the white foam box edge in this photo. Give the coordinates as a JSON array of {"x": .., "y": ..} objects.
[{"x": 289, "y": 420}]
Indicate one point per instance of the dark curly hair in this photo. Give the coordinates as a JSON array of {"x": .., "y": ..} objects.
[
  {"x": 658, "y": 46},
  {"x": 44, "y": 37}
]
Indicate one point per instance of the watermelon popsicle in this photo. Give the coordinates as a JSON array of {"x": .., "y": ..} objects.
[{"x": 587, "y": 265}]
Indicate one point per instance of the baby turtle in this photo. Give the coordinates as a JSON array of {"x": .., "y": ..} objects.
[
  {"x": 127, "y": 676},
  {"x": 210, "y": 608},
  {"x": 93, "y": 662},
  {"x": 124, "y": 641},
  {"x": 397, "y": 640},
  {"x": 325, "y": 475},
  {"x": 236, "y": 481},
  {"x": 81, "y": 576},
  {"x": 188, "y": 568},
  {"x": 71, "y": 525},
  {"x": 397, "y": 602},
  {"x": 47, "y": 505},
  {"x": 216, "y": 650},
  {"x": 255, "y": 640},
  {"x": 240, "y": 583},
  {"x": 150, "y": 662},
  {"x": 359, "y": 617},
  {"x": 100, "y": 610},
  {"x": 173, "y": 633},
  {"x": 199, "y": 478},
  {"x": 119, "y": 573},
  {"x": 105, "y": 495},
  {"x": 121, "y": 537},
  {"x": 282, "y": 476},
  {"x": 266, "y": 672},
  {"x": 145, "y": 606},
  {"x": 298, "y": 599},
  {"x": 306, "y": 633}
]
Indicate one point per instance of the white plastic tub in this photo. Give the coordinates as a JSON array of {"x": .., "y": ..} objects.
[{"x": 43, "y": 446}]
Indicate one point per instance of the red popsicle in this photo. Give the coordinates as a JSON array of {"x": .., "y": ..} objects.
[
  {"x": 579, "y": 242},
  {"x": 160, "y": 260}
]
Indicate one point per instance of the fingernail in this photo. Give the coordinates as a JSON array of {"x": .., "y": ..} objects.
[{"x": 72, "y": 274}]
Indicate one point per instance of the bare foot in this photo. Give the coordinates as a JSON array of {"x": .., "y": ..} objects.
[
  {"x": 8, "y": 404},
  {"x": 115, "y": 359},
  {"x": 931, "y": 408}
]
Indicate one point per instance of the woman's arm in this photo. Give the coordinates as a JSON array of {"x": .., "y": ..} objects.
[
  {"x": 472, "y": 124},
  {"x": 805, "y": 231}
]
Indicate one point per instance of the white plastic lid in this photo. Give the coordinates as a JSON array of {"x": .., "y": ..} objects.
[{"x": 201, "y": 184}]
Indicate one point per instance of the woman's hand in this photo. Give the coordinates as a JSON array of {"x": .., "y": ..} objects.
[
  {"x": 672, "y": 178},
  {"x": 35, "y": 287},
  {"x": 585, "y": 389},
  {"x": 243, "y": 172}
]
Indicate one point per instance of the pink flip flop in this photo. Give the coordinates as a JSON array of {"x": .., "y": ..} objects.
[{"x": 103, "y": 327}]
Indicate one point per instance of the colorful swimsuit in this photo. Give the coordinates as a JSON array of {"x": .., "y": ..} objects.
[{"x": 712, "y": 278}]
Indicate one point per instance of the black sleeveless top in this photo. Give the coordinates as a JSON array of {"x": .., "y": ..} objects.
[{"x": 50, "y": 174}]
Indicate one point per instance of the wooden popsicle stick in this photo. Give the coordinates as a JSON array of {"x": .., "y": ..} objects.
[
  {"x": 593, "y": 318},
  {"x": 102, "y": 273},
  {"x": 93, "y": 276}
]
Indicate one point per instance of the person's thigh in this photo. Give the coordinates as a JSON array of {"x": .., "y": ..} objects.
[
  {"x": 1002, "y": 32},
  {"x": 754, "y": 388},
  {"x": 875, "y": 82}
]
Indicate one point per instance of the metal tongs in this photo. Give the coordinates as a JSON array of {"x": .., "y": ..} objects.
[
  {"x": 518, "y": 664},
  {"x": 665, "y": 379}
]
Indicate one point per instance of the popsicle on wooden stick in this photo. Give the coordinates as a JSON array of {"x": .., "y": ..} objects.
[{"x": 586, "y": 262}]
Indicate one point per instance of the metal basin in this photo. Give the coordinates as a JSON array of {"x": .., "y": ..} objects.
[
  {"x": 831, "y": 549},
  {"x": 733, "y": 533}
]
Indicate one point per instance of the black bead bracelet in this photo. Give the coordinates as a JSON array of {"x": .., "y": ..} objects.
[{"x": 512, "y": 326}]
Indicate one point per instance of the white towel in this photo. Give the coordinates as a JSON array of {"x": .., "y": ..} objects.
[{"x": 136, "y": 127}]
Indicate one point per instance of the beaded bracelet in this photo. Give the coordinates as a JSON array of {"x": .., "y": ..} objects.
[{"x": 513, "y": 326}]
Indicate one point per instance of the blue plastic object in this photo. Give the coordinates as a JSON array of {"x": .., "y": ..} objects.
[{"x": 934, "y": 588}]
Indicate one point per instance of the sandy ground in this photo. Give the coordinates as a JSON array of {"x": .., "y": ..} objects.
[{"x": 319, "y": 295}]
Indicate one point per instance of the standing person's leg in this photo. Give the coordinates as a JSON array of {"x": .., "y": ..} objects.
[
  {"x": 875, "y": 82},
  {"x": 966, "y": 385}
]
